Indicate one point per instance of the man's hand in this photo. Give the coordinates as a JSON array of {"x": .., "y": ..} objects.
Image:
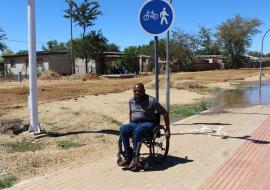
[{"x": 168, "y": 133}]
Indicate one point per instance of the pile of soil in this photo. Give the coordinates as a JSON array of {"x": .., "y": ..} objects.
[
  {"x": 73, "y": 77},
  {"x": 49, "y": 75},
  {"x": 90, "y": 76},
  {"x": 187, "y": 85},
  {"x": 8, "y": 126}
]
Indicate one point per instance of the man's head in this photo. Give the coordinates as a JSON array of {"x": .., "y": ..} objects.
[{"x": 138, "y": 91}]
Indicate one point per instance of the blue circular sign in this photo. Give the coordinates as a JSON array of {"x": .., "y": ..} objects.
[{"x": 156, "y": 16}]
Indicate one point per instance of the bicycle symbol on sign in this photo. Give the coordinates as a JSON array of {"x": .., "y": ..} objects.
[{"x": 150, "y": 14}]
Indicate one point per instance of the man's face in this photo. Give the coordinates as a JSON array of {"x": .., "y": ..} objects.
[{"x": 138, "y": 92}]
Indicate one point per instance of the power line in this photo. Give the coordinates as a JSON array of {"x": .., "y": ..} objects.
[{"x": 22, "y": 41}]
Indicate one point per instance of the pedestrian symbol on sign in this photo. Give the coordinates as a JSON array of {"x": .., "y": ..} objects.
[{"x": 163, "y": 15}]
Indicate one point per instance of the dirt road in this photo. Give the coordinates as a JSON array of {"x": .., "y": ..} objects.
[{"x": 14, "y": 95}]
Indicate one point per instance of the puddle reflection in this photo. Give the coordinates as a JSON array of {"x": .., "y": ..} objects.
[{"x": 250, "y": 96}]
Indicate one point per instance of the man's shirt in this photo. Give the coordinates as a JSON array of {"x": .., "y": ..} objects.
[{"x": 144, "y": 110}]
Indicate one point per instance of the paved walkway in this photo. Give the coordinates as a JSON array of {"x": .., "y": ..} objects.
[
  {"x": 249, "y": 167},
  {"x": 224, "y": 150}
]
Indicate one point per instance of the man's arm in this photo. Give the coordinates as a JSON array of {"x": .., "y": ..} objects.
[
  {"x": 129, "y": 115},
  {"x": 167, "y": 120},
  {"x": 129, "y": 111}
]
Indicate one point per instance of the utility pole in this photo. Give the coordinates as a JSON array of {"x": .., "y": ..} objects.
[
  {"x": 260, "y": 90},
  {"x": 71, "y": 38},
  {"x": 32, "y": 98},
  {"x": 69, "y": 15}
]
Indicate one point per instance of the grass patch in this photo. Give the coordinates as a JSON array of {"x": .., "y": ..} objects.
[
  {"x": 7, "y": 181},
  {"x": 215, "y": 90},
  {"x": 13, "y": 147},
  {"x": 64, "y": 108},
  {"x": 56, "y": 128},
  {"x": 241, "y": 87},
  {"x": 184, "y": 111},
  {"x": 76, "y": 113},
  {"x": 67, "y": 144}
]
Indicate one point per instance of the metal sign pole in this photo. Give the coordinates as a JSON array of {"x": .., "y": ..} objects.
[
  {"x": 156, "y": 68},
  {"x": 168, "y": 71},
  {"x": 32, "y": 98},
  {"x": 167, "y": 74}
]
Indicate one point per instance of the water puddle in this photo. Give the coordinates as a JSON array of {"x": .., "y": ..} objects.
[{"x": 247, "y": 94}]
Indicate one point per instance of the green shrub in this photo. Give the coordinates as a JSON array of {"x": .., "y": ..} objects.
[
  {"x": 7, "y": 181},
  {"x": 184, "y": 111},
  {"x": 13, "y": 147},
  {"x": 67, "y": 144}
]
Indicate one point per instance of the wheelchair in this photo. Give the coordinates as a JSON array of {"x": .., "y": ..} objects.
[{"x": 153, "y": 148}]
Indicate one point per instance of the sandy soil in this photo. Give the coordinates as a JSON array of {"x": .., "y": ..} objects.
[{"x": 89, "y": 113}]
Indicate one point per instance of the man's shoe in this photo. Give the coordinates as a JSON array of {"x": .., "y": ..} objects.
[
  {"x": 133, "y": 164},
  {"x": 124, "y": 162}
]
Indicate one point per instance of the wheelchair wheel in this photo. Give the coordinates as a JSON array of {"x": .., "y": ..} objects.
[{"x": 160, "y": 145}]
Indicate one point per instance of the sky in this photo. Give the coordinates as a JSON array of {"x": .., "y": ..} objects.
[{"x": 120, "y": 24}]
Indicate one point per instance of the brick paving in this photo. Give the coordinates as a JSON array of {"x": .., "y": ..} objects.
[
  {"x": 249, "y": 167},
  {"x": 231, "y": 144}
]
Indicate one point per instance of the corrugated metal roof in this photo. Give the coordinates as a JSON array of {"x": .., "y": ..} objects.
[{"x": 38, "y": 53}]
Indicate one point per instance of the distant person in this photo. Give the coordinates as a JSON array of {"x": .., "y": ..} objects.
[{"x": 143, "y": 110}]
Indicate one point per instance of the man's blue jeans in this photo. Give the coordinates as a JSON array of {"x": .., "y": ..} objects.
[{"x": 138, "y": 131}]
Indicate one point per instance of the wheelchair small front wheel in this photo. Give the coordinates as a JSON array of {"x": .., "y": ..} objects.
[{"x": 160, "y": 144}]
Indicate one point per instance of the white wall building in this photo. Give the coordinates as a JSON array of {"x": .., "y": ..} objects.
[{"x": 58, "y": 61}]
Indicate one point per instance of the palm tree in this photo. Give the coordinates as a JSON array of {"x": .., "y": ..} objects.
[
  {"x": 2, "y": 37},
  {"x": 84, "y": 16},
  {"x": 69, "y": 13}
]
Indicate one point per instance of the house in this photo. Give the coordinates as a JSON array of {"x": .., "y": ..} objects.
[
  {"x": 1, "y": 67},
  {"x": 266, "y": 61},
  {"x": 110, "y": 64},
  {"x": 98, "y": 67},
  {"x": 210, "y": 59},
  {"x": 57, "y": 61},
  {"x": 208, "y": 62},
  {"x": 254, "y": 62},
  {"x": 111, "y": 60},
  {"x": 144, "y": 64}
]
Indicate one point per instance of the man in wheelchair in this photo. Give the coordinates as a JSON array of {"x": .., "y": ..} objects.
[{"x": 143, "y": 109}]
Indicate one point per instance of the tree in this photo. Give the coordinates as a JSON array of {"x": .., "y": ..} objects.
[
  {"x": 7, "y": 52},
  {"x": 22, "y": 52},
  {"x": 53, "y": 45},
  {"x": 182, "y": 50},
  {"x": 207, "y": 46},
  {"x": 93, "y": 48},
  {"x": 70, "y": 10},
  {"x": 254, "y": 54},
  {"x": 130, "y": 59},
  {"x": 68, "y": 15},
  {"x": 84, "y": 16},
  {"x": 2, "y": 37},
  {"x": 112, "y": 48},
  {"x": 235, "y": 36}
]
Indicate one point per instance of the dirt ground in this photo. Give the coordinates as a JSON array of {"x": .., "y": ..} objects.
[{"x": 88, "y": 113}]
